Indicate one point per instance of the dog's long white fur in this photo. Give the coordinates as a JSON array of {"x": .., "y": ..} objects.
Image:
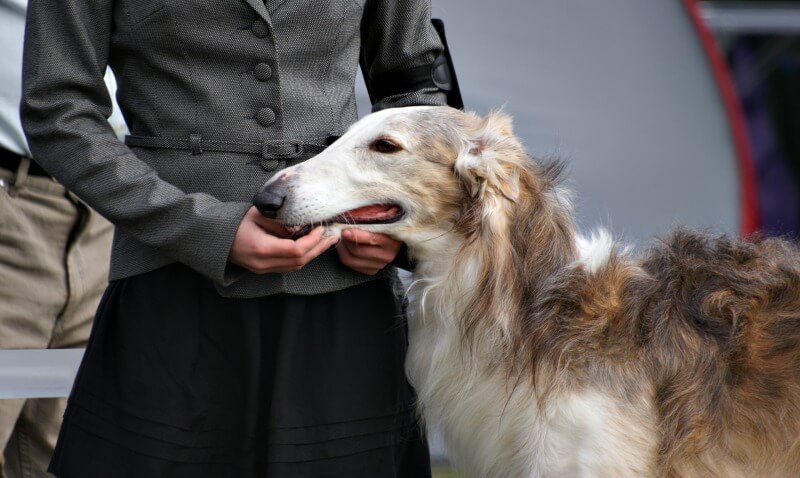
[{"x": 573, "y": 434}]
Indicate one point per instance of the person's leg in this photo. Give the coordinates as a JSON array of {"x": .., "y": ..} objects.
[
  {"x": 86, "y": 260},
  {"x": 9, "y": 412},
  {"x": 31, "y": 445},
  {"x": 36, "y": 221}
]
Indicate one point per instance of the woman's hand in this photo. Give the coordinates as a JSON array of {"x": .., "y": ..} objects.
[
  {"x": 263, "y": 245},
  {"x": 367, "y": 252}
]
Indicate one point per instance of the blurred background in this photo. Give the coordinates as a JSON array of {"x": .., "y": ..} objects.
[
  {"x": 625, "y": 92},
  {"x": 667, "y": 112}
]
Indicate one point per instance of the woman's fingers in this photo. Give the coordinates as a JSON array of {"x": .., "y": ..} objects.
[
  {"x": 289, "y": 248},
  {"x": 288, "y": 253},
  {"x": 258, "y": 250},
  {"x": 365, "y": 266},
  {"x": 371, "y": 246},
  {"x": 366, "y": 238}
]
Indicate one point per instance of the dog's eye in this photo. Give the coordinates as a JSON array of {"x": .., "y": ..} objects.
[{"x": 385, "y": 146}]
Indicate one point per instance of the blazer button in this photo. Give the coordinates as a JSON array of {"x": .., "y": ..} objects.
[
  {"x": 260, "y": 28},
  {"x": 265, "y": 117},
  {"x": 262, "y": 72}
]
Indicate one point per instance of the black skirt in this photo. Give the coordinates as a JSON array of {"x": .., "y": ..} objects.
[{"x": 178, "y": 381}]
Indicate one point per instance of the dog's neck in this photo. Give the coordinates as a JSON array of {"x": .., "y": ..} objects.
[
  {"x": 499, "y": 255},
  {"x": 472, "y": 288}
]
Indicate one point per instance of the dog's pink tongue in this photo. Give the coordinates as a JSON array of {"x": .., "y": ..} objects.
[{"x": 373, "y": 212}]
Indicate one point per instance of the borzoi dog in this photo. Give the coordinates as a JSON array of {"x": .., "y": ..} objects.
[{"x": 539, "y": 352}]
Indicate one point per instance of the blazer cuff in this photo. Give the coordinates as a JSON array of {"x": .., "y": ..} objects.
[
  {"x": 423, "y": 97},
  {"x": 210, "y": 252}
]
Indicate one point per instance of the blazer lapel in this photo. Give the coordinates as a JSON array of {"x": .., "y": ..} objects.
[{"x": 261, "y": 9}]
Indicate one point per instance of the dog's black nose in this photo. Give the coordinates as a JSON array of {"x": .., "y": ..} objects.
[{"x": 270, "y": 198}]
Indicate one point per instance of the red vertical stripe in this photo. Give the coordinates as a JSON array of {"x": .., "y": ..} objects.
[{"x": 750, "y": 221}]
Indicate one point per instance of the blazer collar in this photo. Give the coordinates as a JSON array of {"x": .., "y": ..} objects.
[{"x": 261, "y": 9}]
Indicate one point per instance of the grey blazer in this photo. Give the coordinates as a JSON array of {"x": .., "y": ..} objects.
[{"x": 195, "y": 76}]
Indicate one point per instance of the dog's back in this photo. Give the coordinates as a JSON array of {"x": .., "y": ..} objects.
[
  {"x": 712, "y": 326},
  {"x": 722, "y": 335}
]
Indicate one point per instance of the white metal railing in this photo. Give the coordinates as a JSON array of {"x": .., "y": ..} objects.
[{"x": 38, "y": 373}]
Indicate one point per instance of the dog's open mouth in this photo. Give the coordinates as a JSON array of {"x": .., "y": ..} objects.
[{"x": 372, "y": 214}]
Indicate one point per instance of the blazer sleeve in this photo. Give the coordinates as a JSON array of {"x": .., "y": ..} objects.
[
  {"x": 397, "y": 36},
  {"x": 64, "y": 109}
]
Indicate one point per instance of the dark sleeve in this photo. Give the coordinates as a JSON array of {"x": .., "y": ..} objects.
[
  {"x": 396, "y": 38},
  {"x": 64, "y": 110},
  {"x": 403, "y": 261}
]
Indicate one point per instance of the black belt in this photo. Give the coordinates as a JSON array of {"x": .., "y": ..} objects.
[
  {"x": 195, "y": 144},
  {"x": 11, "y": 161}
]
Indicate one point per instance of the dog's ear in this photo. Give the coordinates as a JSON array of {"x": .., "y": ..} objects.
[{"x": 487, "y": 163}]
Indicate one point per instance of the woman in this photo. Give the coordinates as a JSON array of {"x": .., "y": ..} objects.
[{"x": 223, "y": 347}]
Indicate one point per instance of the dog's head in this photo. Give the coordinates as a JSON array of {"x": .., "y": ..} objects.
[{"x": 413, "y": 173}]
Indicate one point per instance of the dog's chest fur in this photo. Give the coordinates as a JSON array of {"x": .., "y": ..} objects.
[{"x": 493, "y": 428}]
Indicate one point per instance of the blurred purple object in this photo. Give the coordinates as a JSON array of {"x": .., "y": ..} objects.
[{"x": 778, "y": 196}]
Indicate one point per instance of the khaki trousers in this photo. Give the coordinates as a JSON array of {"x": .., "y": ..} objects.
[{"x": 54, "y": 256}]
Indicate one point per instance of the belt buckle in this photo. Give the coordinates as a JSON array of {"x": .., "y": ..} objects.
[{"x": 282, "y": 149}]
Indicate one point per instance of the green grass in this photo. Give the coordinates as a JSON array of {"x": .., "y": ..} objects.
[{"x": 444, "y": 472}]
